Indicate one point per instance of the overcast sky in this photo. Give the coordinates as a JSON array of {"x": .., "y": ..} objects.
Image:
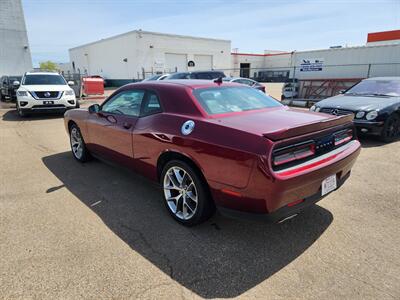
[{"x": 54, "y": 26}]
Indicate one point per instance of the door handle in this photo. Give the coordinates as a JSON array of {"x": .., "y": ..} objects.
[{"x": 126, "y": 125}]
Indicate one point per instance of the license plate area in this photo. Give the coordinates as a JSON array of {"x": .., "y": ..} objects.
[
  {"x": 48, "y": 102},
  {"x": 328, "y": 185}
]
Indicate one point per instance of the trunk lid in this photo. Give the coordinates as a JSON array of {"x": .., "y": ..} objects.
[{"x": 281, "y": 122}]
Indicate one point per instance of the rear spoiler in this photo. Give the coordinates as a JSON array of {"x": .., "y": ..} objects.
[{"x": 308, "y": 128}]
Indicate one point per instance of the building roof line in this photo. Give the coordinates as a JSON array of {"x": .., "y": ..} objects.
[
  {"x": 150, "y": 33},
  {"x": 258, "y": 54}
]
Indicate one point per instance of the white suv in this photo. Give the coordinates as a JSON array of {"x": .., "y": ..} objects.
[{"x": 44, "y": 92}]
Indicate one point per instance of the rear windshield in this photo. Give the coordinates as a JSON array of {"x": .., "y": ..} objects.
[
  {"x": 220, "y": 100},
  {"x": 44, "y": 80}
]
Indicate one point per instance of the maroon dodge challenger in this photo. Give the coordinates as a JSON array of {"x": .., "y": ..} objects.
[{"x": 219, "y": 145}]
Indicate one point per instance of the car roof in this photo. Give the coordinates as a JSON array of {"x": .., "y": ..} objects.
[
  {"x": 234, "y": 78},
  {"x": 195, "y": 72},
  {"x": 395, "y": 78},
  {"x": 42, "y": 73},
  {"x": 190, "y": 83}
]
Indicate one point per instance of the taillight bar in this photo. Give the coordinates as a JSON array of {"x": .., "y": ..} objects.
[
  {"x": 343, "y": 137},
  {"x": 294, "y": 152}
]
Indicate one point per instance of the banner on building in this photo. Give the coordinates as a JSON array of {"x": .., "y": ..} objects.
[{"x": 311, "y": 65}]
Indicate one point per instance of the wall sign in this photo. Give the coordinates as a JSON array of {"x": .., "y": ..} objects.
[
  {"x": 311, "y": 65},
  {"x": 191, "y": 63}
]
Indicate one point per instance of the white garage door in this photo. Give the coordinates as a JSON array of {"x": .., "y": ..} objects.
[
  {"x": 175, "y": 62},
  {"x": 203, "y": 62}
]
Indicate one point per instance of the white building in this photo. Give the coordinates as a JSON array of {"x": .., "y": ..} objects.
[
  {"x": 136, "y": 53},
  {"x": 379, "y": 57},
  {"x": 15, "y": 56}
]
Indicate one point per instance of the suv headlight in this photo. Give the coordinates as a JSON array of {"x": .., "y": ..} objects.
[
  {"x": 371, "y": 115},
  {"x": 22, "y": 93},
  {"x": 69, "y": 93},
  {"x": 312, "y": 108},
  {"x": 317, "y": 109},
  {"x": 360, "y": 114}
]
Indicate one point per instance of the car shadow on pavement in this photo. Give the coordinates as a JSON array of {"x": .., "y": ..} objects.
[
  {"x": 220, "y": 258},
  {"x": 12, "y": 115}
]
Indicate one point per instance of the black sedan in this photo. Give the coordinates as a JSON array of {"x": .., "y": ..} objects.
[{"x": 375, "y": 103}]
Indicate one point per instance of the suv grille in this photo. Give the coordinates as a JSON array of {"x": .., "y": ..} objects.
[
  {"x": 336, "y": 111},
  {"x": 46, "y": 95}
]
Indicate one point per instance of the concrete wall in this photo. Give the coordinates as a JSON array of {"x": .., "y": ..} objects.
[
  {"x": 15, "y": 56},
  {"x": 256, "y": 61},
  {"x": 124, "y": 56}
]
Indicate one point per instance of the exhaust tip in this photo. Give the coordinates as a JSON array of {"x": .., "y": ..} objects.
[{"x": 287, "y": 218}]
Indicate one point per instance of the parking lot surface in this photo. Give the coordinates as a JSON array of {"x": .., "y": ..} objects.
[{"x": 71, "y": 230}]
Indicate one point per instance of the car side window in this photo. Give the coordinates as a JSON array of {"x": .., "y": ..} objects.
[
  {"x": 125, "y": 103},
  {"x": 151, "y": 104},
  {"x": 245, "y": 81},
  {"x": 203, "y": 76}
]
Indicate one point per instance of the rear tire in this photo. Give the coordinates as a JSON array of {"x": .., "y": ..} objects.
[
  {"x": 78, "y": 146},
  {"x": 186, "y": 195},
  {"x": 391, "y": 128}
]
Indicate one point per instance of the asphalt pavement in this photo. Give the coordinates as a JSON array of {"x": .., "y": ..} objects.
[{"x": 94, "y": 230}]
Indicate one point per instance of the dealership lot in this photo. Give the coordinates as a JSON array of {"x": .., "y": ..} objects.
[{"x": 69, "y": 230}]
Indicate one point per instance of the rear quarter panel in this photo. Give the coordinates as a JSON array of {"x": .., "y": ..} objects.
[{"x": 224, "y": 155}]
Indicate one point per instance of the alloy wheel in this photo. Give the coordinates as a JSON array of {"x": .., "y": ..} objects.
[
  {"x": 180, "y": 192},
  {"x": 76, "y": 143}
]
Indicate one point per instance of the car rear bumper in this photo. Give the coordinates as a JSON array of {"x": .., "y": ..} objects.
[
  {"x": 282, "y": 213},
  {"x": 275, "y": 195}
]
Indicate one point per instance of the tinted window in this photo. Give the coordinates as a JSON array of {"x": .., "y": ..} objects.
[
  {"x": 125, "y": 103},
  {"x": 233, "y": 99},
  {"x": 44, "y": 80},
  {"x": 371, "y": 87},
  {"x": 179, "y": 76},
  {"x": 15, "y": 78},
  {"x": 151, "y": 105},
  {"x": 209, "y": 75}
]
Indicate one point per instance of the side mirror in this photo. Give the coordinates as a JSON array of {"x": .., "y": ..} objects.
[
  {"x": 16, "y": 83},
  {"x": 342, "y": 91},
  {"x": 71, "y": 82},
  {"x": 95, "y": 108}
]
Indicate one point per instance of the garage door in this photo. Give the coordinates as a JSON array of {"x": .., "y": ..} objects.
[
  {"x": 175, "y": 62},
  {"x": 203, "y": 62}
]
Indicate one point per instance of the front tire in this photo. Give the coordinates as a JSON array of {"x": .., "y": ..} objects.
[
  {"x": 391, "y": 128},
  {"x": 186, "y": 194},
  {"x": 78, "y": 146},
  {"x": 21, "y": 113}
]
